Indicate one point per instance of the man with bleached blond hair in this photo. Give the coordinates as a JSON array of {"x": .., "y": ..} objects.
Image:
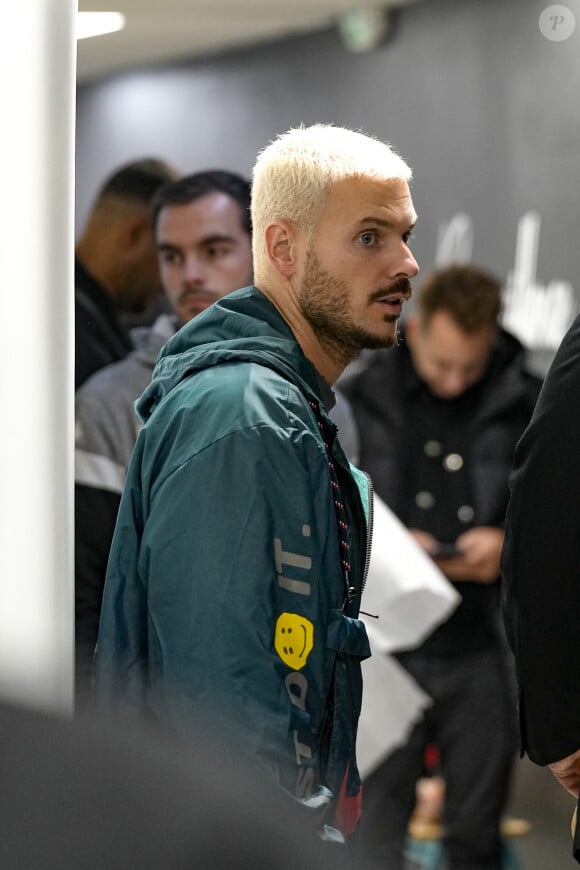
[{"x": 242, "y": 542}]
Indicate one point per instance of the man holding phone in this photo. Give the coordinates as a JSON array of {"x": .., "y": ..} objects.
[{"x": 438, "y": 421}]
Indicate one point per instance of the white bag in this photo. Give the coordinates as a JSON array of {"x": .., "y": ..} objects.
[
  {"x": 404, "y": 588},
  {"x": 411, "y": 597}
]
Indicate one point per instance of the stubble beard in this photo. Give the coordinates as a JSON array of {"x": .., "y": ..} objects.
[{"x": 325, "y": 303}]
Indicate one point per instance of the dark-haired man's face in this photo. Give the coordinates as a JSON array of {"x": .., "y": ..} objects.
[
  {"x": 204, "y": 252},
  {"x": 448, "y": 359}
]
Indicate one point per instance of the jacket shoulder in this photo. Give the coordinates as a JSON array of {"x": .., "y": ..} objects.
[{"x": 220, "y": 401}]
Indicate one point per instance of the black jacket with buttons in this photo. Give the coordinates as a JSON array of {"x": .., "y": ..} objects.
[{"x": 406, "y": 438}]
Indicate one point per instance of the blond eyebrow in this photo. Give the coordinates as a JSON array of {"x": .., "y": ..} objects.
[
  {"x": 374, "y": 220},
  {"x": 381, "y": 222}
]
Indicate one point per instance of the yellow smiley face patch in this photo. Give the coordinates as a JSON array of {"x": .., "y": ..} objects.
[{"x": 294, "y": 639}]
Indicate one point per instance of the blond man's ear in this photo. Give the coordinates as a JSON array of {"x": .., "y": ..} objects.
[{"x": 283, "y": 247}]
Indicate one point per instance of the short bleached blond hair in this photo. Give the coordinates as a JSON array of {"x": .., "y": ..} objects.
[{"x": 294, "y": 172}]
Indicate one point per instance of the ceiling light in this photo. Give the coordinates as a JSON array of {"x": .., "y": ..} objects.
[
  {"x": 363, "y": 29},
  {"x": 98, "y": 23}
]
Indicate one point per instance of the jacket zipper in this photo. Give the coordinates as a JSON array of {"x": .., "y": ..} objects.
[{"x": 370, "y": 526}]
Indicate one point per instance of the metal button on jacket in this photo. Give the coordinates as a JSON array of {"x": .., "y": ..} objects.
[
  {"x": 453, "y": 462},
  {"x": 424, "y": 500},
  {"x": 465, "y": 513},
  {"x": 433, "y": 448}
]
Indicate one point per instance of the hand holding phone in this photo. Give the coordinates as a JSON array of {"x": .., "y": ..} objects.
[{"x": 446, "y": 551}]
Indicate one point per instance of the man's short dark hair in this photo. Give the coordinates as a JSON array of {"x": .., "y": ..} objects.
[
  {"x": 192, "y": 187},
  {"x": 138, "y": 180},
  {"x": 471, "y": 296}
]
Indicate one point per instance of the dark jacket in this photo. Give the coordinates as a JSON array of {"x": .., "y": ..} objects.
[
  {"x": 100, "y": 337},
  {"x": 541, "y": 563},
  {"x": 225, "y": 592},
  {"x": 393, "y": 409}
]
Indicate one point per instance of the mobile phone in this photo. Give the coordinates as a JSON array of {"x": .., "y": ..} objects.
[{"x": 446, "y": 551}]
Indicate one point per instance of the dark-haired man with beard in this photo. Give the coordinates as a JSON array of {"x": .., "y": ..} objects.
[{"x": 238, "y": 560}]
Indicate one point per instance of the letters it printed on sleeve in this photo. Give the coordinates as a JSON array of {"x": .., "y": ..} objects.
[{"x": 293, "y": 642}]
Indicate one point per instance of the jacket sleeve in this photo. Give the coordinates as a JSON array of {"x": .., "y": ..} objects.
[
  {"x": 222, "y": 582},
  {"x": 95, "y": 515},
  {"x": 541, "y": 564},
  {"x": 99, "y": 479}
]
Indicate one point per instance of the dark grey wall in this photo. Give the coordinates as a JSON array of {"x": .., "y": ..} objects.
[{"x": 483, "y": 106}]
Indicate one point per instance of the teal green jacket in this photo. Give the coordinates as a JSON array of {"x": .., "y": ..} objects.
[{"x": 225, "y": 597}]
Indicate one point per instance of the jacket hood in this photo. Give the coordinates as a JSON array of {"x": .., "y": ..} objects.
[
  {"x": 148, "y": 340},
  {"x": 243, "y": 326}
]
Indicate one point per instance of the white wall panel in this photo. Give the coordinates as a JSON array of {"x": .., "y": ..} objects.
[{"x": 37, "y": 79}]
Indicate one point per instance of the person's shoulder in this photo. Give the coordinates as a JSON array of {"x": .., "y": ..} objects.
[
  {"x": 513, "y": 359},
  {"x": 123, "y": 380},
  {"x": 375, "y": 377},
  {"x": 243, "y": 410},
  {"x": 105, "y": 418},
  {"x": 236, "y": 400},
  {"x": 246, "y": 385}
]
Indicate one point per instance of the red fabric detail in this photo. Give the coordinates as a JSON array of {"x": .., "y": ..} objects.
[
  {"x": 431, "y": 757},
  {"x": 348, "y": 810}
]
